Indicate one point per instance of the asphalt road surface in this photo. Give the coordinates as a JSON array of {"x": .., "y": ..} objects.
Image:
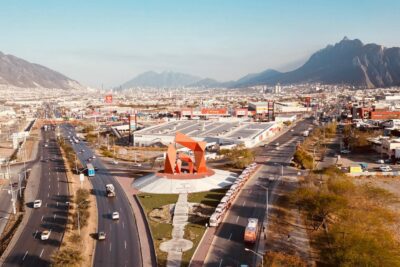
[
  {"x": 30, "y": 250},
  {"x": 228, "y": 248},
  {"x": 121, "y": 246}
]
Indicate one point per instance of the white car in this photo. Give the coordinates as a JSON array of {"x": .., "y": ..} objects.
[
  {"x": 115, "y": 215},
  {"x": 93, "y": 157},
  {"x": 115, "y": 162},
  {"x": 137, "y": 164},
  {"x": 45, "y": 235},
  {"x": 345, "y": 151},
  {"x": 101, "y": 236},
  {"x": 385, "y": 168},
  {"x": 37, "y": 203}
]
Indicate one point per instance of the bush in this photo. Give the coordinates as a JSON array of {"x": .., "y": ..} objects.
[
  {"x": 240, "y": 156},
  {"x": 303, "y": 158},
  {"x": 280, "y": 259},
  {"x": 66, "y": 257}
]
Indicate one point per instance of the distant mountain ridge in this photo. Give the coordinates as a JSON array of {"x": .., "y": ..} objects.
[
  {"x": 165, "y": 79},
  {"x": 17, "y": 72},
  {"x": 347, "y": 62}
]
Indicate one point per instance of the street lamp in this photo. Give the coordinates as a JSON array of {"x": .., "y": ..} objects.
[{"x": 257, "y": 254}]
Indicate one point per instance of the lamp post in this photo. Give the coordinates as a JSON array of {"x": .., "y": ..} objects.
[{"x": 257, "y": 254}]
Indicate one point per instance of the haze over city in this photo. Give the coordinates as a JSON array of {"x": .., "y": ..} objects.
[{"x": 103, "y": 42}]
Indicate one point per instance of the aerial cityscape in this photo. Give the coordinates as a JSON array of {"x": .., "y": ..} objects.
[{"x": 199, "y": 133}]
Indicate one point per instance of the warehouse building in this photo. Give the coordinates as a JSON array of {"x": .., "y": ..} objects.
[{"x": 220, "y": 132}]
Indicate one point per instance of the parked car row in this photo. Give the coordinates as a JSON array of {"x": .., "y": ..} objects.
[{"x": 231, "y": 194}]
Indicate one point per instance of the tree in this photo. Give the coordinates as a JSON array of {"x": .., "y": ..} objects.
[{"x": 239, "y": 156}]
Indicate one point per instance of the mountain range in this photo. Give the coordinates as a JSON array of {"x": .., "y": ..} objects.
[
  {"x": 17, "y": 72},
  {"x": 347, "y": 62}
]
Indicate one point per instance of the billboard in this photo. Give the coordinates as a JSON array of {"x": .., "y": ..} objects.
[
  {"x": 108, "y": 99},
  {"x": 214, "y": 111}
]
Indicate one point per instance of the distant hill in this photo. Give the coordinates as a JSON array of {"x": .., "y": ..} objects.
[
  {"x": 17, "y": 72},
  {"x": 348, "y": 62},
  {"x": 256, "y": 78},
  {"x": 164, "y": 79}
]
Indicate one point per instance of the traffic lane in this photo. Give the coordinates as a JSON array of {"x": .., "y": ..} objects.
[
  {"x": 229, "y": 236},
  {"x": 30, "y": 250}
]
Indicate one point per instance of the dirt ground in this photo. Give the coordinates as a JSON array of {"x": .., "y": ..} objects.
[
  {"x": 88, "y": 243},
  {"x": 391, "y": 184}
]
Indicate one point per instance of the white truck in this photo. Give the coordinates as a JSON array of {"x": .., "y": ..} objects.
[{"x": 110, "y": 190}]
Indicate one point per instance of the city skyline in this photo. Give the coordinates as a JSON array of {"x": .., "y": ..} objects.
[{"x": 102, "y": 43}]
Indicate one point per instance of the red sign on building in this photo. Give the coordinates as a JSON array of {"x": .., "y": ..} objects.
[{"x": 108, "y": 99}]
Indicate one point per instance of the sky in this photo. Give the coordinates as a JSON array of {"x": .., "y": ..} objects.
[{"x": 105, "y": 43}]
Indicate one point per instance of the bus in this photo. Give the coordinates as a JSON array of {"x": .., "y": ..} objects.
[
  {"x": 90, "y": 170},
  {"x": 250, "y": 233}
]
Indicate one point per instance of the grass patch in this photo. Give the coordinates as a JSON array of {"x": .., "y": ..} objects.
[
  {"x": 160, "y": 231},
  {"x": 194, "y": 233}
]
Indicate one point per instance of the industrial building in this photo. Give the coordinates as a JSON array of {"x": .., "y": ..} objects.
[{"x": 220, "y": 132}]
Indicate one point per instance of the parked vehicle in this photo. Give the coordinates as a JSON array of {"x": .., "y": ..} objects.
[
  {"x": 115, "y": 215},
  {"x": 45, "y": 235},
  {"x": 90, "y": 170},
  {"x": 101, "y": 236},
  {"x": 385, "y": 168}
]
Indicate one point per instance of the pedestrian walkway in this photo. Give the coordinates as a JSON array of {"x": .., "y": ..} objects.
[{"x": 177, "y": 245}]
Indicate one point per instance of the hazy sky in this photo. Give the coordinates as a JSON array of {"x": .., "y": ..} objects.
[{"x": 108, "y": 42}]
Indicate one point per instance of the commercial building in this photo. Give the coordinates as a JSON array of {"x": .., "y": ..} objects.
[{"x": 220, "y": 132}]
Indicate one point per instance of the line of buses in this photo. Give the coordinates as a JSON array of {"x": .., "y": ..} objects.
[{"x": 217, "y": 217}]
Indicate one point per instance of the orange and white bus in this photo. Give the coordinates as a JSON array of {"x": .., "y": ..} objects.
[{"x": 250, "y": 233}]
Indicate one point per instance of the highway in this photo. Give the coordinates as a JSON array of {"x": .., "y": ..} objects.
[
  {"x": 121, "y": 247},
  {"x": 30, "y": 250},
  {"x": 228, "y": 248}
]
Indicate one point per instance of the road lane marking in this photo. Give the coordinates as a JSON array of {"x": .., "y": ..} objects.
[
  {"x": 125, "y": 244},
  {"x": 55, "y": 216},
  {"x": 23, "y": 258},
  {"x": 48, "y": 194},
  {"x": 244, "y": 203},
  {"x": 123, "y": 225},
  {"x": 34, "y": 236},
  {"x": 49, "y": 186},
  {"x": 237, "y": 219},
  {"x": 110, "y": 246},
  {"x": 57, "y": 203},
  {"x": 230, "y": 236},
  {"x": 42, "y": 218},
  {"x": 220, "y": 263},
  {"x": 41, "y": 253}
]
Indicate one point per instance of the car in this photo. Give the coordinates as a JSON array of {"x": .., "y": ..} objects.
[
  {"x": 277, "y": 144},
  {"x": 93, "y": 157},
  {"x": 82, "y": 150},
  {"x": 37, "y": 203},
  {"x": 291, "y": 130},
  {"x": 115, "y": 162},
  {"x": 385, "y": 168},
  {"x": 380, "y": 161},
  {"x": 46, "y": 145},
  {"x": 115, "y": 215},
  {"x": 137, "y": 164},
  {"x": 101, "y": 236},
  {"x": 345, "y": 151},
  {"x": 45, "y": 235}
]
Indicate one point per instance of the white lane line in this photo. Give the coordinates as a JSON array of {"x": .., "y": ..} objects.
[
  {"x": 230, "y": 236},
  {"x": 46, "y": 204},
  {"x": 125, "y": 244},
  {"x": 34, "y": 236},
  {"x": 237, "y": 219},
  {"x": 220, "y": 263},
  {"x": 49, "y": 186},
  {"x": 123, "y": 225},
  {"x": 57, "y": 203},
  {"x": 41, "y": 253},
  {"x": 49, "y": 172},
  {"x": 48, "y": 194},
  {"x": 42, "y": 218},
  {"x": 58, "y": 193},
  {"x": 244, "y": 203},
  {"x": 23, "y": 258},
  {"x": 55, "y": 216},
  {"x": 110, "y": 246},
  {"x": 58, "y": 185}
]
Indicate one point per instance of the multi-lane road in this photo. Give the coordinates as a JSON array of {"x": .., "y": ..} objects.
[
  {"x": 228, "y": 248},
  {"x": 121, "y": 246},
  {"x": 30, "y": 250}
]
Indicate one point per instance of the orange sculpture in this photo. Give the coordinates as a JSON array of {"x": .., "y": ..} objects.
[{"x": 173, "y": 164}]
